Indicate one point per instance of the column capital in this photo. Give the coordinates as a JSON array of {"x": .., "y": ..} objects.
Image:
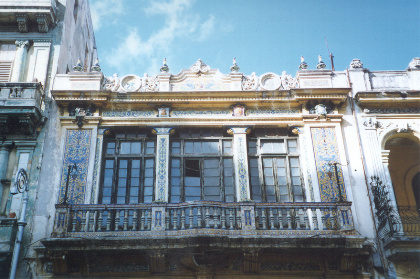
[
  {"x": 22, "y": 44},
  {"x": 239, "y": 130},
  {"x": 163, "y": 130}
]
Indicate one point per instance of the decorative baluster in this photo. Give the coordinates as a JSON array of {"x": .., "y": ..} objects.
[
  {"x": 216, "y": 218},
  {"x": 88, "y": 221},
  {"x": 167, "y": 219},
  {"x": 271, "y": 217},
  {"x": 148, "y": 224},
  {"x": 125, "y": 223},
  {"x": 83, "y": 225},
  {"x": 142, "y": 219},
  {"x": 74, "y": 221},
  {"x": 100, "y": 221},
  {"x": 315, "y": 219},
  {"x": 199, "y": 217},
  {"x": 92, "y": 222},
  {"x": 223, "y": 218},
  {"x": 238, "y": 218},
  {"x": 108, "y": 220},
  {"x": 264, "y": 219},
  {"x": 334, "y": 221},
  {"x": 182, "y": 218},
  {"x": 117, "y": 220},
  {"x": 175, "y": 220},
  {"x": 280, "y": 218},
  {"x": 257, "y": 219},
  {"x": 231, "y": 224},
  {"x": 207, "y": 218},
  {"x": 213, "y": 218},
  {"x": 306, "y": 218},
  {"x": 289, "y": 219},
  {"x": 191, "y": 215},
  {"x": 324, "y": 219},
  {"x": 297, "y": 218},
  {"x": 134, "y": 228}
]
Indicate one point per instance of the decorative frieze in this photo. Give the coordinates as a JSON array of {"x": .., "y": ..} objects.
[
  {"x": 22, "y": 21},
  {"x": 43, "y": 22}
]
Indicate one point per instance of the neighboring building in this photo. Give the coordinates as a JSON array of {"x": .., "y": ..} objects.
[
  {"x": 38, "y": 39},
  {"x": 209, "y": 175}
]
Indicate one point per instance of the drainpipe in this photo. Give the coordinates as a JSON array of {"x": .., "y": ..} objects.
[{"x": 21, "y": 185}]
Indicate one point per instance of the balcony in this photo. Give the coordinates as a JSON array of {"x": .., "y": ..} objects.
[
  {"x": 20, "y": 108},
  {"x": 226, "y": 223},
  {"x": 21, "y": 12}
]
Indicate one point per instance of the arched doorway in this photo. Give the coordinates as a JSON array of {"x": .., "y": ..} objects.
[{"x": 404, "y": 168}]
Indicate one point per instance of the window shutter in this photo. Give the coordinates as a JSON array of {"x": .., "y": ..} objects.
[{"x": 5, "y": 70}]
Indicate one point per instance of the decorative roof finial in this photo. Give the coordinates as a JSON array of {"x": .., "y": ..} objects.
[
  {"x": 95, "y": 67},
  {"x": 78, "y": 67},
  {"x": 164, "y": 68},
  {"x": 303, "y": 65},
  {"x": 235, "y": 68},
  {"x": 321, "y": 64},
  {"x": 356, "y": 64}
]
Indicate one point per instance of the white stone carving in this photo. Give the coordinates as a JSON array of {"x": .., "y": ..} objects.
[
  {"x": 414, "y": 64},
  {"x": 403, "y": 127},
  {"x": 287, "y": 82},
  {"x": 130, "y": 83},
  {"x": 22, "y": 21},
  {"x": 152, "y": 83},
  {"x": 199, "y": 67},
  {"x": 43, "y": 22},
  {"x": 356, "y": 64},
  {"x": 111, "y": 83},
  {"x": 371, "y": 123},
  {"x": 270, "y": 81},
  {"x": 250, "y": 82}
]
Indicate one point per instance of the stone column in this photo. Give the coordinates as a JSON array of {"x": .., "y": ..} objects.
[
  {"x": 4, "y": 159},
  {"x": 20, "y": 60},
  {"x": 162, "y": 163},
  {"x": 240, "y": 162}
]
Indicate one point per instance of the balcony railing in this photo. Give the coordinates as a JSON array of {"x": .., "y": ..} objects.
[
  {"x": 202, "y": 218},
  {"x": 410, "y": 219}
]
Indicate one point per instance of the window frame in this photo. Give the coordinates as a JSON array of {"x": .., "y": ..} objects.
[
  {"x": 286, "y": 155},
  {"x": 182, "y": 157},
  {"x": 117, "y": 157}
]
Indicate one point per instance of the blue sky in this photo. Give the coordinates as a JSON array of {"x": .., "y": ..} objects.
[{"x": 133, "y": 36}]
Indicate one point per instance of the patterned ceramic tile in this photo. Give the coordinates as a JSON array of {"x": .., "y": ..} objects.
[
  {"x": 270, "y": 112},
  {"x": 129, "y": 113},
  {"x": 201, "y": 113},
  {"x": 95, "y": 170},
  {"x": 326, "y": 151},
  {"x": 76, "y": 151},
  {"x": 162, "y": 166}
]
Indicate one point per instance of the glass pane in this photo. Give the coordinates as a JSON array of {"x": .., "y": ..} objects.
[
  {"x": 292, "y": 145},
  {"x": 227, "y": 146},
  {"x": 135, "y": 164},
  {"x": 252, "y": 146},
  {"x": 150, "y": 163},
  {"x": 148, "y": 172},
  {"x": 214, "y": 147},
  {"x": 135, "y": 147},
  {"x": 205, "y": 145},
  {"x": 150, "y": 147},
  {"x": 123, "y": 164},
  {"x": 135, "y": 182},
  {"x": 148, "y": 182},
  {"x": 122, "y": 182},
  {"x": 122, "y": 173},
  {"x": 211, "y": 181},
  {"x": 192, "y": 181},
  {"x": 125, "y": 148},
  {"x": 189, "y": 147},
  {"x": 175, "y": 181},
  {"x": 109, "y": 164},
  {"x": 294, "y": 162},
  {"x": 211, "y": 163}
]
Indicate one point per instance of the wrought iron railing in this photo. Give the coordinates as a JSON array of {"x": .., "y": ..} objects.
[{"x": 203, "y": 216}]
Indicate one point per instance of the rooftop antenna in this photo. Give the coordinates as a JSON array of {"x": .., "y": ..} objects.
[{"x": 331, "y": 55}]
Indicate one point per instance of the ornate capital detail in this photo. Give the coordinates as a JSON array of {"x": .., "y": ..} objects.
[
  {"x": 81, "y": 110},
  {"x": 163, "y": 131},
  {"x": 234, "y": 68},
  {"x": 22, "y": 21},
  {"x": 414, "y": 64},
  {"x": 22, "y": 44},
  {"x": 238, "y": 110},
  {"x": 303, "y": 65},
  {"x": 321, "y": 65},
  {"x": 163, "y": 111},
  {"x": 43, "y": 22},
  {"x": 239, "y": 130},
  {"x": 372, "y": 123},
  {"x": 250, "y": 82},
  {"x": 199, "y": 67},
  {"x": 321, "y": 109},
  {"x": 296, "y": 130},
  {"x": 356, "y": 64}
]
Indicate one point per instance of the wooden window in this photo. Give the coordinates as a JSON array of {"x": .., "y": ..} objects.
[
  {"x": 201, "y": 166},
  {"x": 128, "y": 169},
  {"x": 7, "y": 55},
  {"x": 274, "y": 167}
]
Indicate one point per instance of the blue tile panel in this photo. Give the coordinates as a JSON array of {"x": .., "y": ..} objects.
[
  {"x": 326, "y": 150},
  {"x": 77, "y": 149}
]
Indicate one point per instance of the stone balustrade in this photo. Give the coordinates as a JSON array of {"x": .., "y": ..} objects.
[{"x": 202, "y": 218}]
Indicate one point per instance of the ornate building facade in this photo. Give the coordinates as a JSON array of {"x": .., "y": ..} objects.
[{"x": 202, "y": 174}]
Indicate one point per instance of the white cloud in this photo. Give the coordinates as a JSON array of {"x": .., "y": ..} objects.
[
  {"x": 180, "y": 22},
  {"x": 105, "y": 10}
]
